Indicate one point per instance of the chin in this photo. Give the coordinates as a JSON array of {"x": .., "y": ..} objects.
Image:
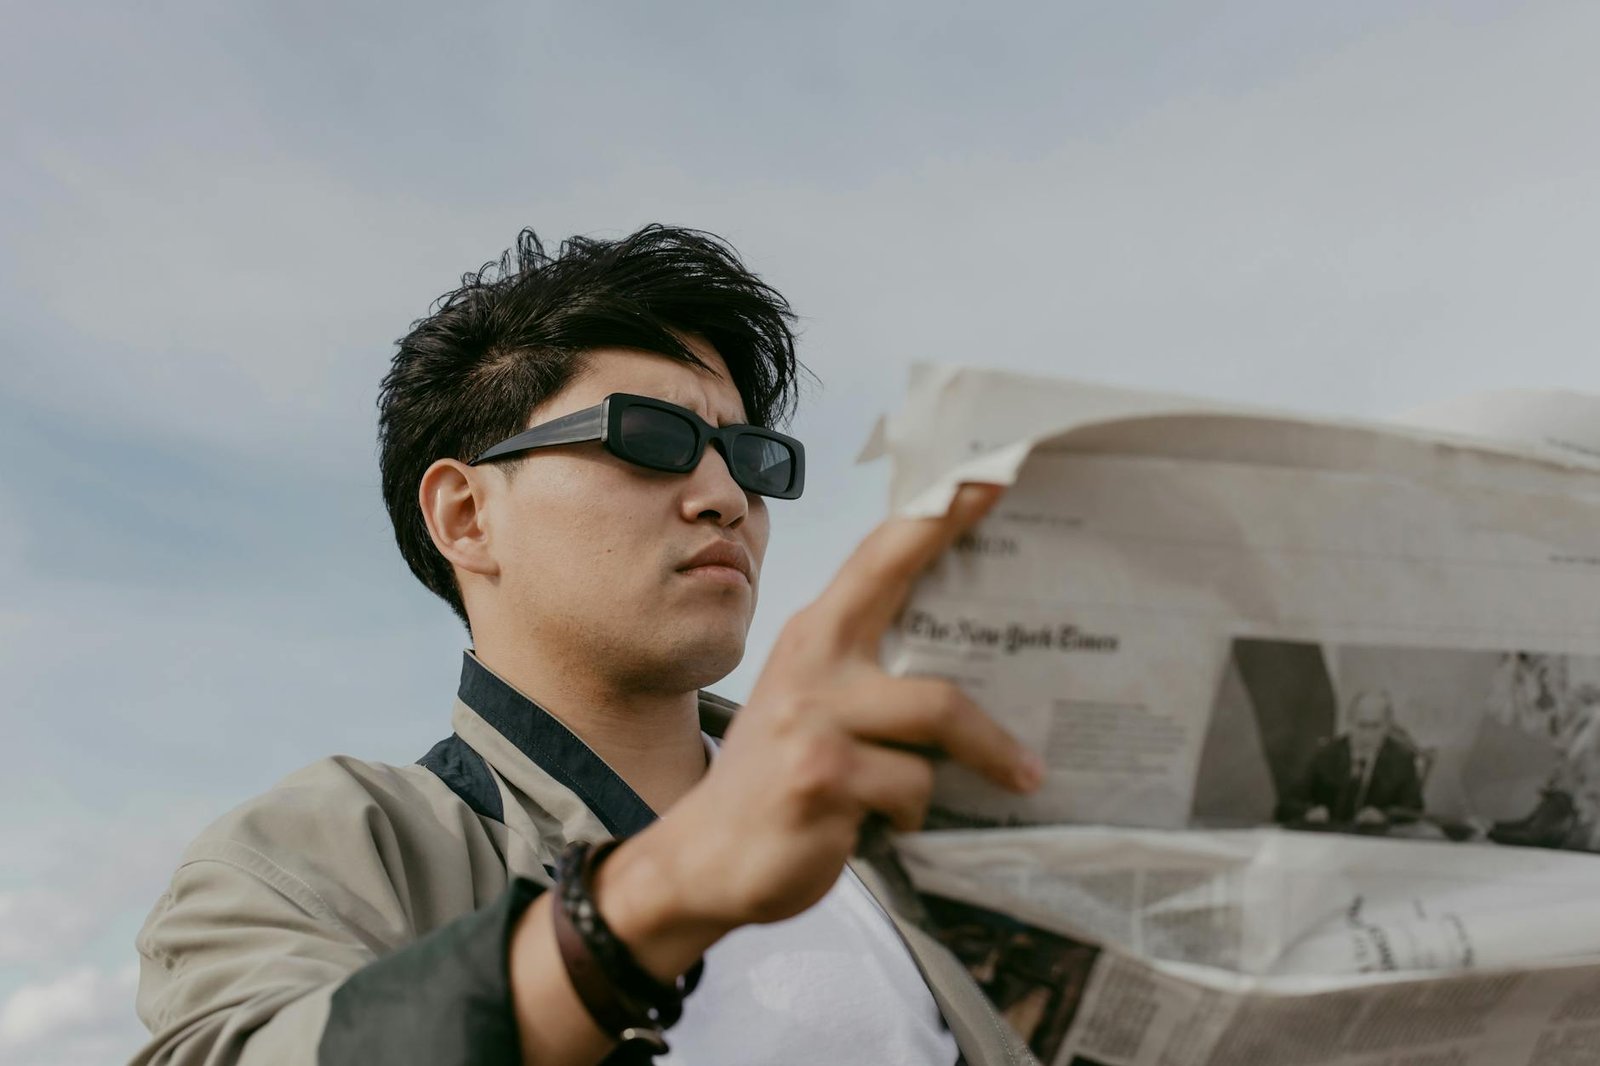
[
  {"x": 702, "y": 660},
  {"x": 709, "y": 667}
]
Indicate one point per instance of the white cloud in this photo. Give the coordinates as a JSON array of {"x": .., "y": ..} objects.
[
  {"x": 1409, "y": 215},
  {"x": 76, "y": 1018},
  {"x": 1402, "y": 216},
  {"x": 75, "y": 875},
  {"x": 1406, "y": 207},
  {"x": 38, "y": 924},
  {"x": 66, "y": 933},
  {"x": 266, "y": 296}
]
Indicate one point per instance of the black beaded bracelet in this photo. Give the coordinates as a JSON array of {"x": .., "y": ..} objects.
[{"x": 618, "y": 993}]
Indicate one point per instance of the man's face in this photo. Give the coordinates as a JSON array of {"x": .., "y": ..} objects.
[
  {"x": 1369, "y": 724},
  {"x": 596, "y": 554}
]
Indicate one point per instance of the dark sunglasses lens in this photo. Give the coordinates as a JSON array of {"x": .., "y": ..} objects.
[
  {"x": 657, "y": 438},
  {"x": 762, "y": 464}
]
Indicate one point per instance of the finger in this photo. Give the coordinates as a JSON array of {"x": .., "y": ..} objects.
[
  {"x": 933, "y": 713},
  {"x": 895, "y": 784},
  {"x": 872, "y": 585}
]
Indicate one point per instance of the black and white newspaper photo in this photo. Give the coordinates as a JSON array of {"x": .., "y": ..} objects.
[{"x": 1419, "y": 743}]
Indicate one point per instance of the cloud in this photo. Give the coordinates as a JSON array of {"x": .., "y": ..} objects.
[
  {"x": 1357, "y": 235},
  {"x": 237, "y": 321},
  {"x": 1401, "y": 214},
  {"x": 79, "y": 1017},
  {"x": 217, "y": 237},
  {"x": 66, "y": 933},
  {"x": 1410, "y": 201},
  {"x": 76, "y": 875},
  {"x": 40, "y": 924}
]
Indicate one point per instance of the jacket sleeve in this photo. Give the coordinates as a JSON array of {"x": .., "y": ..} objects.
[
  {"x": 244, "y": 966},
  {"x": 255, "y": 956},
  {"x": 1402, "y": 800},
  {"x": 1307, "y": 789},
  {"x": 444, "y": 999}
]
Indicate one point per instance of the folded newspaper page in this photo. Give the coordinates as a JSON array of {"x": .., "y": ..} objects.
[
  {"x": 1320, "y": 702},
  {"x": 1167, "y": 948}
]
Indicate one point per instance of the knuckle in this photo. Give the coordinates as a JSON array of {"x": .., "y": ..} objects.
[
  {"x": 791, "y": 640},
  {"x": 919, "y": 784},
  {"x": 806, "y": 634},
  {"x": 818, "y": 766},
  {"x": 801, "y": 623},
  {"x": 907, "y": 803},
  {"x": 782, "y": 711},
  {"x": 797, "y": 709},
  {"x": 946, "y": 707},
  {"x": 912, "y": 810}
]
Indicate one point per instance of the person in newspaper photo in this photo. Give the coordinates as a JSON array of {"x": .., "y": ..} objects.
[
  {"x": 1366, "y": 777},
  {"x": 1537, "y": 694},
  {"x": 577, "y": 454}
]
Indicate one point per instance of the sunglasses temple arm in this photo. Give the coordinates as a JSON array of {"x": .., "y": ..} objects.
[{"x": 576, "y": 428}]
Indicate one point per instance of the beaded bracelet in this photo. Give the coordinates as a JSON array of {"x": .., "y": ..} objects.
[{"x": 623, "y": 999}]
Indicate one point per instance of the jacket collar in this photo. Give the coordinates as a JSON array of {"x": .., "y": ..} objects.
[
  {"x": 539, "y": 756},
  {"x": 552, "y": 748}
]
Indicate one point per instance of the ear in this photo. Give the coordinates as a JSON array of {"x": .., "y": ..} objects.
[{"x": 454, "y": 499}]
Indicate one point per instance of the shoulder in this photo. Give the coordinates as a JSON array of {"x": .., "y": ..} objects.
[
  {"x": 343, "y": 835},
  {"x": 1332, "y": 747},
  {"x": 338, "y": 792},
  {"x": 1397, "y": 751}
]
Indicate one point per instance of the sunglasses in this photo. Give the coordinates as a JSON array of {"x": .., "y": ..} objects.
[{"x": 663, "y": 436}]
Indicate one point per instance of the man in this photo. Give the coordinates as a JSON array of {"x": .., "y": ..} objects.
[
  {"x": 576, "y": 456},
  {"x": 1365, "y": 777}
]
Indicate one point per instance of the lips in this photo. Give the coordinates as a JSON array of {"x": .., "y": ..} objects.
[{"x": 721, "y": 553}]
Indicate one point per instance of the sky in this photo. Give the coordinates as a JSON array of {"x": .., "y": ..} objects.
[{"x": 215, "y": 220}]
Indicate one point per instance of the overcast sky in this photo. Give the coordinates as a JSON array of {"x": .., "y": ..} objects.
[{"x": 218, "y": 217}]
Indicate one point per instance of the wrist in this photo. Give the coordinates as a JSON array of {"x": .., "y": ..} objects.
[{"x": 643, "y": 898}]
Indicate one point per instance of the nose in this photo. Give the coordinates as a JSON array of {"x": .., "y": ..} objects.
[{"x": 711, "y": 492}]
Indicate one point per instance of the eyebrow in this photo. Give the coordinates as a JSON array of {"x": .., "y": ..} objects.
[{"x": 737, "y": 418}]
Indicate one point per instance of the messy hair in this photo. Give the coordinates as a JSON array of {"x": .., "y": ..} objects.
[{"x": 518, "y": 330}]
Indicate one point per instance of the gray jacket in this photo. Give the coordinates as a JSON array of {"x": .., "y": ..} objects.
[{"x": 359, "y": 912}]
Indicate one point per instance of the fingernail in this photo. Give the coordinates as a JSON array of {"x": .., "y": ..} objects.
[{"x": 1029, "y": 772}]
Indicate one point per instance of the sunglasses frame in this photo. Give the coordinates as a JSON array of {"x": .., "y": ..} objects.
[{"x": 603, "y": 422}]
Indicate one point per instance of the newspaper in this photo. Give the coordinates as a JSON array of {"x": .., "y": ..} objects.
[
  {"x": 1171, "y": 948},
  {"x": 1320, "y": 702}
]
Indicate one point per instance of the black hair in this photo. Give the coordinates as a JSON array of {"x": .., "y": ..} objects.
[{"x": 518, "y": 329}]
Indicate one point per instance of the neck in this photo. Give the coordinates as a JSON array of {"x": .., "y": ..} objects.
[{"x": 651, "y": 739}]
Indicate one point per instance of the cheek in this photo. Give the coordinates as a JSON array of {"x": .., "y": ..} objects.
[
  {"x": 615, "y": 538},
  {"x": 572, "y": 530},
  {"x": 759, "y": 523}
]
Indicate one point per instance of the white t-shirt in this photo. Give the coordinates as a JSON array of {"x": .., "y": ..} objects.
[{"x": 833, "y": 984}]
